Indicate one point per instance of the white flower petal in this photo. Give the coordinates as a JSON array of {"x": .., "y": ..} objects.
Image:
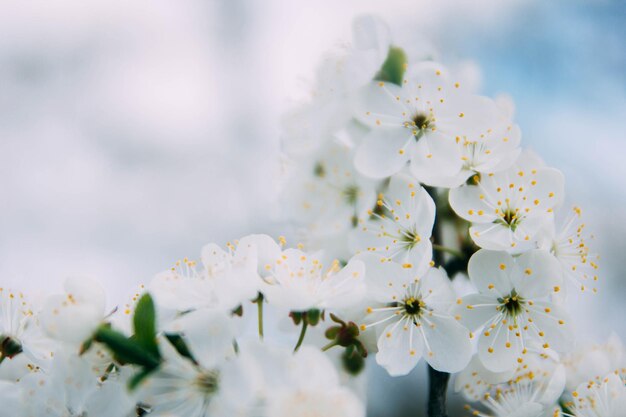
[
  {"x": 490, "y": 272},
  {"x": 536, "y": 275},
  {"x": 447, "y": 342},
  {"x": 400, "y": 348},
  {"x": 383, "y": 152}
]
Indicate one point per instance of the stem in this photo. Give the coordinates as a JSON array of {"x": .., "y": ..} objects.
[
  {"x": 305, "y": 324},
  {"x": 2, "y": 358},
  {"x": 437, "y": 393},
  {"x": 330, "y": 345},
  {"x": 259, "y": 304},
  {"x": 437, "y": 381},
  {"x": 446, "y": 249}
]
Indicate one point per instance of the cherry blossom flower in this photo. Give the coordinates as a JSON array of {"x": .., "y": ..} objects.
[
  {"x": 429, "y": 107},
  {"x": 531, "y": 393},
  {"x": 224, "y": 279},
  {"x": 326, "y": 196},
  {"x": 72, "y": 317},
  {"x": 513, "y": 306},
  {"x": 410, "y": 310},
  {"x": 493, "y": 150},
  {"x": 19, "y": 329},
  {"x": 70, "y": 387},
  {"x": 217, "y": 383},
  {"x": 601, "y": 397},
  {"x": 401, "y": 226},
  {"x": 570, "y": 244},
  {"x": 310, "y": 387},
  {"x": 508, "y": 209},
  {"x": 299, "y": 281},
  {"x": 595, "y": 360}
]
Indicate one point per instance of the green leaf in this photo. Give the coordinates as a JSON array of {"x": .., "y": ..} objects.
[
  {"x": 180, "y": 346},
  {"x": 394, "y": 67},
  {"x": 126, "y": 350},
  {"x": 144, "y": 323},
  {"x": 136, "y": 379}
]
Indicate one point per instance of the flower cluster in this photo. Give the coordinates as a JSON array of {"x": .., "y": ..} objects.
[{"x": 401, "y": 181}]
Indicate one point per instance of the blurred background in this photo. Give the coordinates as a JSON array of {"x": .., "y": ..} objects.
[{"x": 132, "y": 133}]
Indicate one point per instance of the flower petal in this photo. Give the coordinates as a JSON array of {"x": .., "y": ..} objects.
[
  {"x": 450, "y": 349},
  {"x": 400, "y": 348},
  {"x": 383, "y": 152}
]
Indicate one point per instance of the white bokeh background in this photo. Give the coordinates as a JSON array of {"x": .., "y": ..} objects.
[{"x": 132, "y": 133}]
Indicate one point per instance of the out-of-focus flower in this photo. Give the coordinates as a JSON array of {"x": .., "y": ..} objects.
[
  {"x": 19, "y": 329},
  {"x": 225, "y": 279},
  {"x": 593, "y": 361},
  {"x": 299, "y": 281},
  {"x": 531, "y": 393},
  {"x": 313, "y": 124},
  {"x": 215, "y": 383},
  {"x": 508, "y": 209},
  {"x": 410, "y": 312},
  {"x": 326, "y": 196},
  {"x": 400, "y": 226},
  {"x": 428, "y": 107},
  {"x": 72, "y": 317},
  {"x": 512, "y": 306},
  {"x": 600, "y": 397},
  {"x": 70, "y": 387},
  {"x": 310, "y": 387}
]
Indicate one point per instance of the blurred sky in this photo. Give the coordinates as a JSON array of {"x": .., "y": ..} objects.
[{"x": 132, "y": 133}]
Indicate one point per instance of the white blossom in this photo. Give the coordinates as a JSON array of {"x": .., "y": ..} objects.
[
  {"x": 70, "y": 387},
  {"x": 299, "y": 281},
  {"x": 19, "y": 327},
  {"x": 310, "y": 387},
  {"x": 429, "y": 107},
  {"x": 508, "y": 209},
  {"x": 326, "y": 196},
  {"x": 532, "y": 393},
  {"x": 513, "y": 307},
  {"x": 570, "y": 244},
  {"x": 224, "y": 279},
  {"x": 401, "y": 227},
  {"x": 450, "y": 164},
  {"x": 601, "y": 397},
  {"x": 410, "y": 310},
  {"x": 594, "y": 361},
  {"x": 217, "y": 384},
  {"x": 73, "y": 316}
]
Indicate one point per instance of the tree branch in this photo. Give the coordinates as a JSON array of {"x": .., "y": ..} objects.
[{"x": 437, "y": 381}]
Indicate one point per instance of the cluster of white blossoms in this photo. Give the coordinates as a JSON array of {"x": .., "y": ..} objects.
[{"x": 399, "y": 179}]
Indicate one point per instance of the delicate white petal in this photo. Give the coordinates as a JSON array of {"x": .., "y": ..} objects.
[
  {"x": 490, "y": 272},
  {"x": 383, "y": 152},
  {"x": 447, "y": 343},
  {"x": 400, "y": 347},
  {"x": 536, "y": 275}
]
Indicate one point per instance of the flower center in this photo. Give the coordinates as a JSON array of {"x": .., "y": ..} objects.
[
  {"x": 509, "y": 218},
  {"x": 412, "y": 306},
  {"x": 9, "y": 347},
  {"x": 512, "y": 304},
  {"x": 319, "y": 170},
  {"x": 351, "y": 194},
  {"x": 410, "y": 238},
  {"x": 419, "y": 122},
  {"x": 208, "y": 382}
]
